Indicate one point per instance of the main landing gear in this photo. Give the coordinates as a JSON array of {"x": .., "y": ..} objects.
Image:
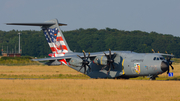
[{"x": 152, "y": 77}]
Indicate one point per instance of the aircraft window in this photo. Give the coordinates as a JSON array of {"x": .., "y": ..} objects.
[
  {"x": 157, "y": 58},
  {"x": 154, "y": 58},
  {"x": 162, "y": 58}
]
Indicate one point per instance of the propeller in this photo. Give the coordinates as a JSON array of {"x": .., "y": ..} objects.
[
  {"x": 110, "y": 60},
  {"x": 170, "y": 64},
  {"x": 85, "y": 61},
  {"x": 168, "y": 59}
]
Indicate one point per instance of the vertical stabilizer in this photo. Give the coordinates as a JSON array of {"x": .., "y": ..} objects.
[
  {"x": 55, "y": 39},
  {"x": 53, "y": 36}
]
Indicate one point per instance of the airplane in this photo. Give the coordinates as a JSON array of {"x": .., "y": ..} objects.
[{"x": 107, "y": 64}]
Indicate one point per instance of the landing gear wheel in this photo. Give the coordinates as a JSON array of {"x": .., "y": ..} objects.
[{"x": 152, "y": 78}]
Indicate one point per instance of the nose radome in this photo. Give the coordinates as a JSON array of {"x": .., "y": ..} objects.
[{"x": 164, "y": 66}]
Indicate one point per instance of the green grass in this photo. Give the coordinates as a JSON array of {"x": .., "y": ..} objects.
[
  {"x": 176, "y": 60},
  {"x": 55, "y": 76},
  {"x": 70, "y": 76},
  {"x": 17, "y": 61},
  {"x": 157, "y": 78}
]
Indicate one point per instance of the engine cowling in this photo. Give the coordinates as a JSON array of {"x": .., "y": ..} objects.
[
  {"x": 100, "y": 60},
  {"x": 77, "y": 62},
  {"x": 53, "y": 63}
]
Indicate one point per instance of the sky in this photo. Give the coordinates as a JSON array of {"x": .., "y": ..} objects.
[{"x": 161, "y": 16}]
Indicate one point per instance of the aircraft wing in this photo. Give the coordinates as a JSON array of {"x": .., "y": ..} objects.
[
  {"x": 53, "y": 58},
  {"x": 69, "y": 56},
  {"x": 166, "y": 54}
]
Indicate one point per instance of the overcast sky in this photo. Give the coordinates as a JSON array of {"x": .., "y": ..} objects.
[{"x": 161, "y": 16}]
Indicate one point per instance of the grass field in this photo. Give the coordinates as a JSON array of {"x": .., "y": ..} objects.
[
  {"x": 40, "y": 71},
  {"x": 80, "y": 88},
  {"x": 89, "y": 90}
]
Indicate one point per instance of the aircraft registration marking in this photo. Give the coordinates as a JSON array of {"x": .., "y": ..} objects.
[{"x": 137, "y": 60}]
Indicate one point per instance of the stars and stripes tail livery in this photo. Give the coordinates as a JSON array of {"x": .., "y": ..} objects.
[
  {"x": 56, "y": 40},
  {"x": 54, "y": 37}
]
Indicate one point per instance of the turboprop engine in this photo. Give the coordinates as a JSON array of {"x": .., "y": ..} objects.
[
  {"x": 100, "y": 60},
  {"x": 81, "y": 61},
  {"x": 53, "y": 63},
  {"x": 107, "y": 60},
  {"x": 77, "y": 62}
]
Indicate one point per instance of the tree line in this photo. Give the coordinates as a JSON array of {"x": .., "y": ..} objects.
[{"x": 33, "y": 43}]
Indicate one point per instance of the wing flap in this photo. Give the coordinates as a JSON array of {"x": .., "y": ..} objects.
[{"x": 52, "y": 58}]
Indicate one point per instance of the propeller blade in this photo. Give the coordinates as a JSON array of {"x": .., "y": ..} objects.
[
  {"x": 110, "y": 53},
  {"x": 84, "y": 69},
  {"x": 81, "y": 67},
  {"x": 103, "y": 67},
  {"x": 113, "y": 65},
  {"x": 88, "y": 56},
  {"x": 109, "y": 68},
  {"x": 170, "y": 58},
  {"x": 105, "y": 55},
  {"x": 78, "y": 56},
  {"x": 168, "y": 71},
  {"x": 89, "y": 67},
  {"x": 114, "y": 55},
  {"x": 172, "y": 67},
  {"x": 84, "y": 54},
  {"x": 153, "y": 51}
]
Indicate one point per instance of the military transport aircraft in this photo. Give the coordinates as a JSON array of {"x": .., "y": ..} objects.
[{"x": 108, "y": 64}]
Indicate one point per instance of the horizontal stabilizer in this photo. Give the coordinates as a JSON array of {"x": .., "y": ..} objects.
[{"x": 36, "y": 24}]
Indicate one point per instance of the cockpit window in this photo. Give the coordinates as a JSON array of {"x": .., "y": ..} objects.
[
  {"x": 154, "y": 58},
  {"x": 158, "y": 58},
  {"x": 162, "y": 58}
]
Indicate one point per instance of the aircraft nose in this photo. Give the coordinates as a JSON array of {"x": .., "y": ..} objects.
[{"x": 164, "y": 66}]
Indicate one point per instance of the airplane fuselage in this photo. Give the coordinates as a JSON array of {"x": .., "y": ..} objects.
[{"x": 127, "y": 64}]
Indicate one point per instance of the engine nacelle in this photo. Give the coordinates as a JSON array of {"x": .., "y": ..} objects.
[
  {"x": 77, "y": 62},
  {"x": 100, "y": 60},
  {"x": 53, "y": 63}
]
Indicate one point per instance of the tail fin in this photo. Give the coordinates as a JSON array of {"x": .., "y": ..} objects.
[
  {"x": 53, "y": 36},
  {"x": 55, "y": 39}
]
